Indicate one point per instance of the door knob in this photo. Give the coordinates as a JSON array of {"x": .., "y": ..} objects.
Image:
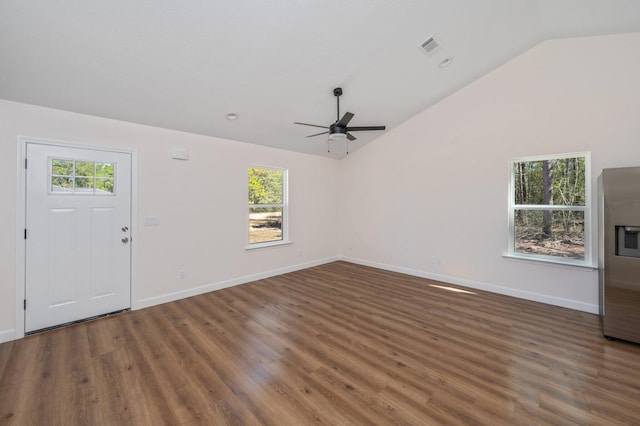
[
  {"x": 125, "y": 240},
  {"x": 125, "y": 228}
]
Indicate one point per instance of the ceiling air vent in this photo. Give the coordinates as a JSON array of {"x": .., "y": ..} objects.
[{"x": 430, "y": 45}]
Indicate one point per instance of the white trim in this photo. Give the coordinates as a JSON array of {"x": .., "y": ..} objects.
[
  {"x": 521, "y": 294},
  {"x": 267, "y": 206},
  {"x": 170, "y": 297},
  {"x": 21, "y": 190},
  {"x": 550, "y": 207},
  {"x": 133, "y": 231},
  {"x": 548, "y": 156},
  {"x": 21, "y": 225},
  {"x": 7, "y": 335},
  {"x": 78, "y": 145},
  {"x": 255, "y": 246},
  {"x": 566, "y": 263}
]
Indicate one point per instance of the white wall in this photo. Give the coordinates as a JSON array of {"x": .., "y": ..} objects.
[
  {"x": 202, "y": 204},
  {"x": 436, "y": 186}
]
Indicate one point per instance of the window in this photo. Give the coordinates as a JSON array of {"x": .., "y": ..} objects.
[
  {"x": 267, "y": 206},
  {"x": 80, "y": 177},
  {"x": 549, "y": 208}
]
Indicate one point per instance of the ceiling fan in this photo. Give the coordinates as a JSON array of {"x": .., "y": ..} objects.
[{"x": 340, "y": 129}]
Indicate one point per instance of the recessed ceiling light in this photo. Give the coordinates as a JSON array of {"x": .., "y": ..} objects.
[
  {"x": 232, "y": 116},
  {"x": 445, "y": 62}
]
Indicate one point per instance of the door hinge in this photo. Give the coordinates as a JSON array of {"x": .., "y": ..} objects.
[
  {"x": 25, "y": 304},
  {"x": 25, "y": 233},
  {"x": 25, "y": 163}
]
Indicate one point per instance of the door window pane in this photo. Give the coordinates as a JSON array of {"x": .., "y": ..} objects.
[
  {"x": 104, "y": 170},
  {"x": 61, "y": 184},
  {"x": 104, "y": 185},
  {"x": 84, "y": 184},
  {"x": 62, "y": 167},
  {"x": 85, "y": 168}
]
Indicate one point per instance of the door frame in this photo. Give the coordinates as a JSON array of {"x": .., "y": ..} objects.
[{"x": 21, "y": 220}]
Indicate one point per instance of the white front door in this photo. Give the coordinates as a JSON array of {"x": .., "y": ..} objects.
[{"x": 78, "y": 249}]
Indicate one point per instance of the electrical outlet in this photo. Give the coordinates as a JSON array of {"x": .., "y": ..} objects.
[
  {"x": 182, "y": 274},
  {"x": 436, "y": 261}
]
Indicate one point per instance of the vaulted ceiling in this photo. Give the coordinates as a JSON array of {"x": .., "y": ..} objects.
[{"x": 184, "y": 65}]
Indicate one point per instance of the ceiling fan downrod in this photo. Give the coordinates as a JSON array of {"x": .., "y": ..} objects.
[{"x": 337, "y": 92}]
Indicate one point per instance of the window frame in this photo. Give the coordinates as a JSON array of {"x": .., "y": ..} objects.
[
  {"x": 284, "y": 206},
  {"x": 586, "y": 209}
]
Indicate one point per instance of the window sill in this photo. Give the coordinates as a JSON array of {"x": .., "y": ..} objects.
[
  {"x": 268, "y": 244},
  {"x": 550, "y": 262}
]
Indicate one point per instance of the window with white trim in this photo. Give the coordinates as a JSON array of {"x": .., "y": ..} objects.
[
  {"x": 549, "y": 208},
  {"x": 267, "y": 206}
]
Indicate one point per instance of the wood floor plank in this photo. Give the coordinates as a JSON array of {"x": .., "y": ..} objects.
[
  {"x": 5, "y": 353},
  {"x": 18, "y": 383},
  {"x": 335, "y": 344}
]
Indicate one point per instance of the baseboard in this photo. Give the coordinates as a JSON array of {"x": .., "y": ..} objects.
[
  {"x": 170, "y": 297},
  {"x": 536, "y": 297},
  {"x": 7, "y": 335}
]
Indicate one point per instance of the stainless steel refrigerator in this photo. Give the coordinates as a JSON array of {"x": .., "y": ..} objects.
[{"x": 619, "y": 252}]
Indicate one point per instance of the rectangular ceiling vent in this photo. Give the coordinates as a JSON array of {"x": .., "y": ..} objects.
[{"x": 430, "y": 45}]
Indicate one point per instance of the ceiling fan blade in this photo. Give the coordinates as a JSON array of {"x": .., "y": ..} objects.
[
  {"x": 312, "y": 125},
  {"x": 345, "y": 119},
  {"x": 360, "y": 128},
  {"x": 318, "y": 134},
  {"x": 351, "y": 137}
]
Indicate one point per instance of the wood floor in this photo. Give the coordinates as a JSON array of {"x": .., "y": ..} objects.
[{"x": 336, "y": 344}]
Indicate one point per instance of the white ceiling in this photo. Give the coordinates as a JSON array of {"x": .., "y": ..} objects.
[{"x": 184, "y": 64}]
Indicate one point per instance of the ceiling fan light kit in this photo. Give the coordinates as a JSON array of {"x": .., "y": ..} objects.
[{"x": 340, "y": 130}]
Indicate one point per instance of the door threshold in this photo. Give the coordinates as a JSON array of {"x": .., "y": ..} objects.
[{"x": 68, "y": 324}]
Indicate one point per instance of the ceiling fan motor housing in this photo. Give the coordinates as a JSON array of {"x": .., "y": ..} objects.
[{"x": 335, "y": 128}]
